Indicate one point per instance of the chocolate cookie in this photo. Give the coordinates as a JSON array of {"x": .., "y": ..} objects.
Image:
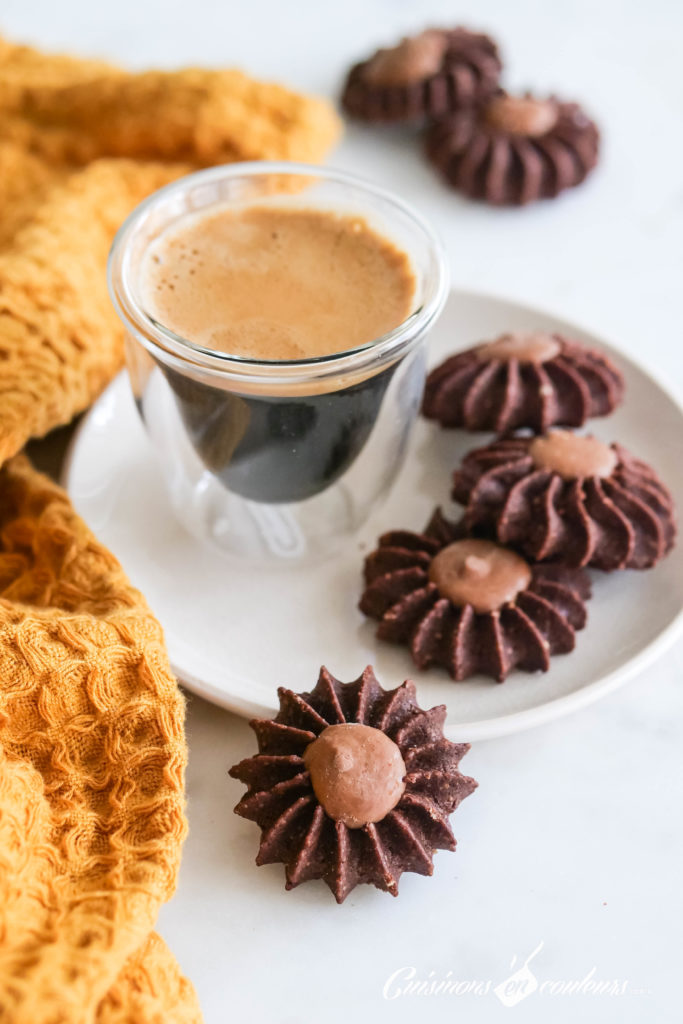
[
  {"x": 428, "y": 75},
  {"x": 525, "y": 379},
  {"x": 568, "y": 498},
  {"x": 352, "y": 784},
  {"x": 510, "y": 150},
  {"x": 470, "y": 605}
]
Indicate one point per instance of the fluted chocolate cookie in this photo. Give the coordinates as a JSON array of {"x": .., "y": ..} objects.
[
  {"x": 352, "y": 784},
  {"x": 511, "y": 150},
  {"x": 523, "y": 379},
  {"x": 568, "y": 498},
  {"x": 424, "y": 76}
]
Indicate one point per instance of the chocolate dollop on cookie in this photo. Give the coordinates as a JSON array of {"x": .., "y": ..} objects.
[
  {"x": 412, "y": 60},
  {"x": 479, "y": 573},
  {"x": 524, "y": 346},
  {"x": 521, "y": 115},
  {"x": 356, "y": 773},
  {"x": 572, "y": 456}
]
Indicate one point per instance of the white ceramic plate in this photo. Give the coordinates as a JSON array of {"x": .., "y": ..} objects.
[{"x": 234, "y": 634}]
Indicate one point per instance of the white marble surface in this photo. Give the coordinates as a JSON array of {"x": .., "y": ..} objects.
[{"x": 574, "y": 836}]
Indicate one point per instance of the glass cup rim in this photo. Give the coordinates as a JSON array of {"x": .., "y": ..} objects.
[{"x": 169, "y": 346}]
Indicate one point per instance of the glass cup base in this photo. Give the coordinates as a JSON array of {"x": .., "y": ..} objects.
[{"x": 285, "y": 532}]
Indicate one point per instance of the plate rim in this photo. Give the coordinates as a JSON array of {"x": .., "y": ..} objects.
[
  {"x": 488, "y": 728},
  {"x": 483, "y": 728}
]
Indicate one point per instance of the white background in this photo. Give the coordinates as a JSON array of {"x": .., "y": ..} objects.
[{"x": 574, "y": 836}]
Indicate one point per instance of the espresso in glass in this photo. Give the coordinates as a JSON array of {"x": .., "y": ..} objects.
[
  {"x": 278, "y": 284},
  {"x": 276, "y": 316}
]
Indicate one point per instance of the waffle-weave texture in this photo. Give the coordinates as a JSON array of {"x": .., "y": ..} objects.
[{"x": 92, "y": 757}]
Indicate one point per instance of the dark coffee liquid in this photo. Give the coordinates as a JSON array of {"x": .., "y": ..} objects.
[{"x": 278, "y": 449}]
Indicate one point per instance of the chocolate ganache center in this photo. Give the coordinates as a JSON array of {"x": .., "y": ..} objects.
[
  {"x": 531, "y": 347},
  {"x": 573, "y": 456},
  {"x": 357, "y": 773},
  {"x": 479, "y": 573},
  {"x": 521, "y": 115},
  {"x": 410, "y": 61}
]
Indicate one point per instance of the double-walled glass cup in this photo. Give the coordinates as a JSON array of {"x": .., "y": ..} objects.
[{"x": 267, "y": 459}]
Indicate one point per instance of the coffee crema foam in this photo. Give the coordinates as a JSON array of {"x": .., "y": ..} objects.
[{"x": 277, "y": 283}]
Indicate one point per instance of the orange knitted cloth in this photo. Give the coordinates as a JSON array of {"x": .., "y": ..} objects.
[
  {"x": 92, "y": 750},
  {"x": 92, "y": 756},
  {"x": 81, "y": 143}
]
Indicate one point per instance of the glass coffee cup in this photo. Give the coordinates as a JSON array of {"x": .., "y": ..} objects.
[{"x": 276, "y": 460}]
